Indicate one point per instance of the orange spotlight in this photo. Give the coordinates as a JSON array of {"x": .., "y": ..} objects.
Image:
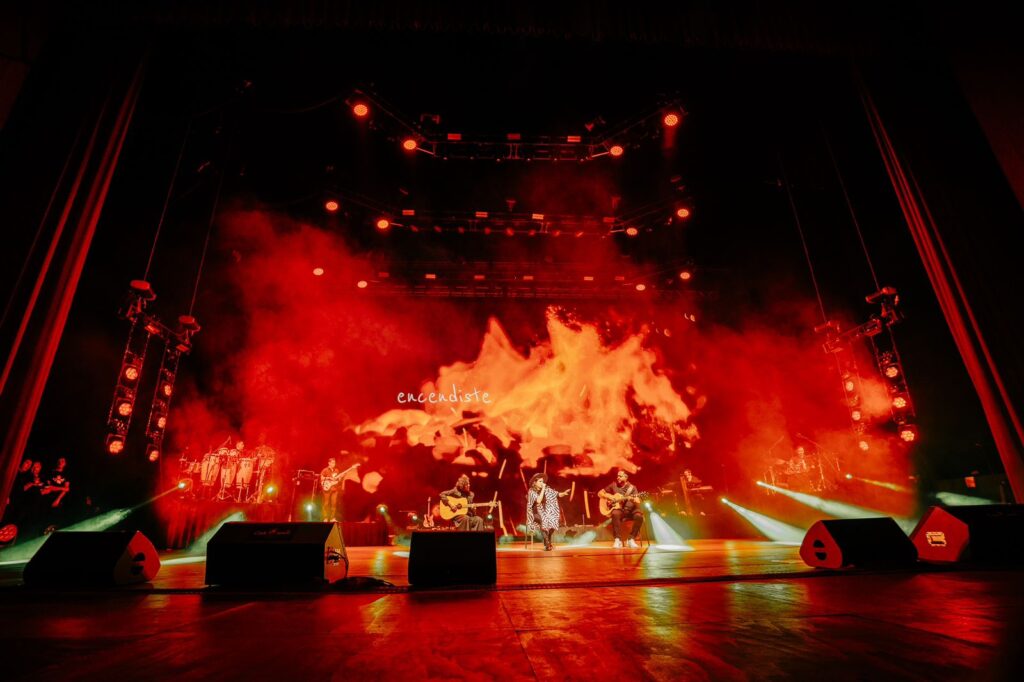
[
  {"x": 409, "y": 144},
  {"x": 124, "y": 409},
  {"x": 856, "y": 415},
  {"x": 383, "y": 224},
  {"x": 892, "y": 371},
  {"x": 849, "y": 386},
  {"x": 632, "y": 231},
  {"x": 362, "y": 284},
  {"x": 908, "y": 434},
  {"x": 671, "y": 120},
  {"x": 899, "y": 402},
  {"x": 115, "y": 444},
  {"x": 682, "y": 212},
  {"x": 361, "y": 110},
  {"x": 641, "y": 287},
  {"x": 331, "y": 205},
  {"x": 616, "y": 150},
  {"x": 864, "y": 445},
  {"x": 161, "y": 423},
  {"x": 318, "y": 272},
  {"x": 131, "y": 373},
  {"x": 686, "y": 275},
  {"x": 154, "y": 455}
]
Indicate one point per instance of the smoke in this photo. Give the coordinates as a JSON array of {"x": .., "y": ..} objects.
[{"x": 310, "y": 364}]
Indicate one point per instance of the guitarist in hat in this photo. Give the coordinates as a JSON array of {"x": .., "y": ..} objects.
[
  {"x": 627, "y": 506},
  {"x": 469, "y": 520}
]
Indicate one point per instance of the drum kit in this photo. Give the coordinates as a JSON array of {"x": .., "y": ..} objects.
[
  {"x": 814, "y": 473},
  {"x": 230, "y": 473}
]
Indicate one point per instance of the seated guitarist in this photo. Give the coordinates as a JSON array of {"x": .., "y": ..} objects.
[
  {"x": 468, "y": 521},
  {"x": 627, "y": 500}
]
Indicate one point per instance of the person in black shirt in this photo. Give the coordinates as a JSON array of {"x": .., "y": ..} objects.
[
  {"x": 628, "y": 508},
  {"x": 57, "y": 486},
  {"x": 469, "y": 521}
]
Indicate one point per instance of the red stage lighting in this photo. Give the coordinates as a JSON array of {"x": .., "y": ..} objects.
[
  {"x": 510, "y": 232},
  {"x": 154, "y": 455},
  {"x": 167, "y": 389},
  {"x": 383, "y": 224},
  {"x": 361, "y": 110},
  {"x": 616, "y": 150},
  {"x": 362, "y": 284},
  {"x": 115, "y": 444},
  {"x": 899, "y": 402},
  {"x": 856, "y": 415},
  {"x": 908, "y": 434},
  {"x": 131, "y": 373},
  {"x": 641, "y": 287},
  {"x": 318, "y": 272},
  {"x": 864, "y": 445},
  {"x": 671, "y": 120},
  {"x": 686, "y": 275},
  {"x": 632, "y": 231},
  {"x": 892, "y": 371},
  {"x": 683, "y": 212},
  {"x": 161, "y": 423},
  {"x": 409, "y": 144},
  {"x": 124, "y": 409},
  {"x": 331, "y": 206},
  {"x": 849, "y": 386}
]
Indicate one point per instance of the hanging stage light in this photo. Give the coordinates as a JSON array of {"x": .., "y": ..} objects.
[
  {"x": 160, "y": 407},
  {"x": 122, "y": 406}
]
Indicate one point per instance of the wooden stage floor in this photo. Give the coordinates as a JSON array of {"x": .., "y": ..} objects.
[{"x": 730, "y": 610}]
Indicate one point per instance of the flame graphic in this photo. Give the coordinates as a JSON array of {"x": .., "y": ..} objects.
[{"x": 570, "y": 395}]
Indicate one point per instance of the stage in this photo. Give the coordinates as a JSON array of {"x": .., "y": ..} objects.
[{"x": 722, "y": 610}]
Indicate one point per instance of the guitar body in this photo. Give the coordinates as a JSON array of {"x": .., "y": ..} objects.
[
  {"x": 609, "y": 504},
  {"x": 326, "y": 484},
  {"x": 459, "y": 506}
]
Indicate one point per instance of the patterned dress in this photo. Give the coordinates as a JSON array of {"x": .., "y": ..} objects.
[{"x": 542, "y": 510}]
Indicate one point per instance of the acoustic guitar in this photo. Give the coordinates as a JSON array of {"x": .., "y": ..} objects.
[
  {"x": 460, "y": 506},
  {"x": 609, "y": 504}
]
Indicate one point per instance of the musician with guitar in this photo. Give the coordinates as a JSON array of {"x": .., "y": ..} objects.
[
  {"x": 457, "y": 505},
  {"x": 624, "y": 499},
  {"x": 331, "y": 479}
]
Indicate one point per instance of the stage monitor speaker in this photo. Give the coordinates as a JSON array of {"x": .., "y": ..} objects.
[
  {"x": 857, "y": 542},
  {"x": 991, "y": 533},
  {"x": 78, "y": 559},
  {"x": 276, "y": 554},
  {"x": 451, "y": 557}
]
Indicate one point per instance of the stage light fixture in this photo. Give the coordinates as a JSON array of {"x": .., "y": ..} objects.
[
  {"x": 154, "y": 454},
  {"x": 131, "y": 373},
  {"x": 382, "y": 509},
  {"x": 908, "y": 434},
  {"x": 331, "y": 206},
  {"x": 632, "y": 231},
  {"x": 383, "y": 223},
  {"x": 361, "y": 110},
  {"x": 309, "y": 507},
  {"x": 899, "y": 402},
  {"x": 685, "y": 275},
  {"x": 115, "y": 444},
  {"x": 318, "y": 272},
  {"x": 849, "y": 477},
  {"x": 616, "y": 150},
  {"x": 864, "y": 445},
  {"x": 183, "y": 483},
  {"x": 362, "y": 284},
  {"x": 536, "y": 216},
  {"x": 124, "y": 409},
  {"x": 409, "y": 144},
  {"x": 641, "y": 287},
  {"x": 430, "y": 275},
  {"x": 270, "y": 489},
  {"x": 682, "y": 212},
  {"x": 671, "y": 120},
  {"x": 856, "y": 415},
  {"x": 892, "y": 371},
  {"x": 849, "y": 385}
]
